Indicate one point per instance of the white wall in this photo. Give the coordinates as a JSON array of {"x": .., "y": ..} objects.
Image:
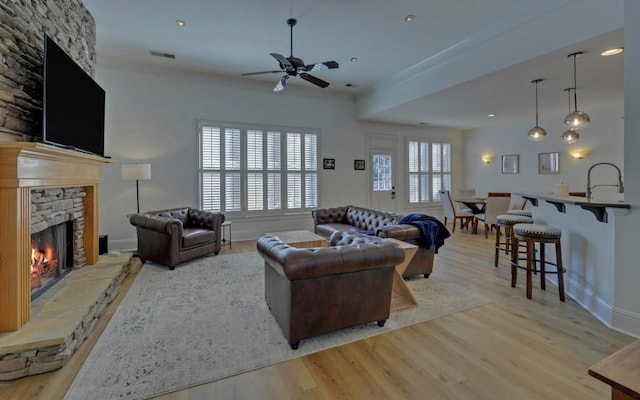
[
  {"x": 604, "y": 137},
  {"x": 151, "y": 117}
]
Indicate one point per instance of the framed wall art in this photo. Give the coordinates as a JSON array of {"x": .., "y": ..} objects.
[
  {"x": 511, "y": 164},
  {"x": 358, "y": 165},
  {"x": 548, "y": 163},
  {"x": 329, "y": 163}
]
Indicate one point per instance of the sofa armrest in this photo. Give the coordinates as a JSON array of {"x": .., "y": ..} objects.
[
  {"x": 156, "y": 223},
  {"x": 329, "y": 215},
  {"x": 402, "y": 232}
]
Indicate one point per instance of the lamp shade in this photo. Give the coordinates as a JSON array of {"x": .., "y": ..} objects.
[{"x": 132, "y": 172}]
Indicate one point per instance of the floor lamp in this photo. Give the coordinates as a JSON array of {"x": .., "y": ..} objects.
[{"x": 136, "y": 172}]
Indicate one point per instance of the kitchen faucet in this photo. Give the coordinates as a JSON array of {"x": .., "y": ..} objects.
[{"x": 620, "y": 185}]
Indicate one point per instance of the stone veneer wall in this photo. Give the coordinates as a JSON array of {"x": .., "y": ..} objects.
[
  {"x": 51, "y": 207},
  {"x": 23, "y": 24}
]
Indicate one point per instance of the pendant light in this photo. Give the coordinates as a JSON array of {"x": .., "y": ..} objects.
[
  {"x": 577, "y": 119},
  {"x": 570, "y": 136},
  {"x": 537, "y": 133}
]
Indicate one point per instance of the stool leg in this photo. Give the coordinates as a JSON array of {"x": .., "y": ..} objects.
[
  {"x": 497, "y": 246},
  {"x": 530, "y": 268},
  {"x": 560, "y": 270},
  {"x": 507, "y": 239},
  {"x": 543, "y": 263},
  {"x": 514, "y": 260}
]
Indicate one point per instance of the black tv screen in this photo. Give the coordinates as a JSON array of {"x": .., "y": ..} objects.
[{"x": 73, "y": 103}]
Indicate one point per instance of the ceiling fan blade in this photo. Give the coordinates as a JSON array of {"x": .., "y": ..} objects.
[
  {"x": 314, "y": 80},
  {"x": 321, "y": 66},
  {"x": 284, "y": 63},
  {"x": 281, "y": 83},
  {"x": 261, "y": 72}
]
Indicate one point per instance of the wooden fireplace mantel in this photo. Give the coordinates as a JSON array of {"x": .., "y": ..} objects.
[{"x": 25, "y": 166}]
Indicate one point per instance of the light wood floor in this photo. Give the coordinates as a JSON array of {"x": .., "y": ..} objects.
[{"x": 513, "y": 348}]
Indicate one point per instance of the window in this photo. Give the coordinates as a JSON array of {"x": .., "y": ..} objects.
[
  {"x": 262, "y": 170},
  {"x": 429, "y": 170}
]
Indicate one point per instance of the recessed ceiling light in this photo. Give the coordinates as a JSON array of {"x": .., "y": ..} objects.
[
  {"x": 351, "y": 85},
  {"x": 353, "y": 59},
  {"x": 409, "y": 18},
  {"x": 180, "y": 22},
  {"x": 612, "y": 52},
  {"x": 491, "y": 115}
]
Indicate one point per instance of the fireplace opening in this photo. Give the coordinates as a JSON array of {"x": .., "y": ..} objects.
[{"x": 51, "y": 256}]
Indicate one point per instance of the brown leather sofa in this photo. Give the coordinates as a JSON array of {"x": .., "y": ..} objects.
[
  {"x": 318, "y": 290},
  {"x": 383, "y": 224},
  {"x": 176, "y": 235}
]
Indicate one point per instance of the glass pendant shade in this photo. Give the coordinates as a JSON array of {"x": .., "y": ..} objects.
[
  {"x": 577, "y": 119},
  {"x": 570, "y": 137},
  {"x": 537, "y": 133}
]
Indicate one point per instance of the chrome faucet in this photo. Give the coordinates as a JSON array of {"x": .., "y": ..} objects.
[{"x": 620, "y": 185}]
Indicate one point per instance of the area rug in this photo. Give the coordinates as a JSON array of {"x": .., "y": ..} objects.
[{"x": 208, "y": 320}]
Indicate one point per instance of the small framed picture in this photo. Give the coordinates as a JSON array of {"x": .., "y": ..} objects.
[
  {"x": 329, "y": 163},
  {"x": 549, "y": 163},
  {"x": 358, "y": 165},
  {"x": 511, "y": 164}
]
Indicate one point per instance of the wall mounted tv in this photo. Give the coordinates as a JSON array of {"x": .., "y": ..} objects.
[{"x": 73, "y": 103}]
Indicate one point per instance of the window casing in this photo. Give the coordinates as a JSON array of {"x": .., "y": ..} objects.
[
  {"x": 263, "y": 170},
  {"x": 428, "y": 170}
]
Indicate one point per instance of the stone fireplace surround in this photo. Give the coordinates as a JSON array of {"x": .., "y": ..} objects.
[{"x": 28, "y": 171}]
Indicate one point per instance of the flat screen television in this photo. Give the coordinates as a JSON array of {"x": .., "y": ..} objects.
[{"x": 73, "y": 103}]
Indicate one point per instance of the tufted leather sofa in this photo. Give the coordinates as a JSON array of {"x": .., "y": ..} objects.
[
  {"x": 383, "y": 224},
  {"x": 176, "y": 235},
  {"x": 318, "y": 290}
]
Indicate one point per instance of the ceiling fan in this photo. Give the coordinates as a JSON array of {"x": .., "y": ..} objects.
[{"x": 293, "y": 66}]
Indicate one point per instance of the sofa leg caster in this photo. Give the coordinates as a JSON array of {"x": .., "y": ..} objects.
[
  {"x": 426, "y": 276},
  {"x": 216, "y": 253},
  {"x": 294, "y": 346},
  {"x": 381, "y": 322},
  {"x": 172, "y": 267}
]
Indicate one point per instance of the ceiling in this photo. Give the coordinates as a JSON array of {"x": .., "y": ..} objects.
[{"x": 457, "y": 61}]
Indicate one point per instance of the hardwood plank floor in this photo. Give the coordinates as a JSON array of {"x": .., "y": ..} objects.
[{"x": 513, "y": 348}]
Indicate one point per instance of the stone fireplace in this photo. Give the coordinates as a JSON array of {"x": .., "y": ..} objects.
[{"x": 28, "y": 172}]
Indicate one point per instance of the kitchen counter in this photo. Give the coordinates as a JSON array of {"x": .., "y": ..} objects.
[{"x": 598, "y": 208}]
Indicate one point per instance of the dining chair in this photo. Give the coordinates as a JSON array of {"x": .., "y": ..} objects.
[
  {"x": 496, "y": 205},
  {"x": 465, "y": 217}
]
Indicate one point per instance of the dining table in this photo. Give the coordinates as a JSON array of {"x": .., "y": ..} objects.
[{"x": 476, "y": 204}]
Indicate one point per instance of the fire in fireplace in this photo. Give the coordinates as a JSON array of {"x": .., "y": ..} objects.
[{"x": 51, "y": 256}]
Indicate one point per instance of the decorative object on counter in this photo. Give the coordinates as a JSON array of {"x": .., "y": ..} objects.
[
  {"x": 137, "y": 172},
  {"x": 577, "y": 119},
  {"x": 549, "y": 163},
  {"x": 570, "y": 136},
  {"x": 537, "y": 133},
  {"x": 329, "y": 163},
  {"x": 358, "y": 165},
  {"x": 487, "y": 158},
  {"x": 620, "y": 185},
  {"x": 561, "y": 189},
  {"x": 511, "y": 164},
  {"x": 580, "y": 154}
]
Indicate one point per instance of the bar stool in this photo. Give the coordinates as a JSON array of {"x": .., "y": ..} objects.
[
  {"x": 507, "y": 221},
  {"x": 541, "y": 234}
]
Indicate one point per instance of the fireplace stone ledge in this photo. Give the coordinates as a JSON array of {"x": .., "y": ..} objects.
[{"x": 62, "y": 318}]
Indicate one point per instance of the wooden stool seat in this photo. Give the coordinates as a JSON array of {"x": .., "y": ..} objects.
[
  {"x": 507, "y": 221},
  {"x": 531, "y": 234}
]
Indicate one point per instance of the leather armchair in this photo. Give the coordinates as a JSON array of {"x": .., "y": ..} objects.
[
  {"x": 176, "y": 235},
  {"x": 318, "y": 290}
]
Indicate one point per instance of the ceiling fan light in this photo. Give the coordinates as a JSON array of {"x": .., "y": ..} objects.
[
  {"x": 537, "y": 134},
  {"x": 570, "y": 137},
  {"x": 577, "y": 120}
]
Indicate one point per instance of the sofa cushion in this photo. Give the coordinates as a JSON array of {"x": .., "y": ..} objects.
[
  {"x": 194, "y": 237},
  {"x": 327, "y": 230}
]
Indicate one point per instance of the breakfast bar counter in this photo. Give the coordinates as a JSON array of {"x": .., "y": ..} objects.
[{"x": 588, "y": 246}]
